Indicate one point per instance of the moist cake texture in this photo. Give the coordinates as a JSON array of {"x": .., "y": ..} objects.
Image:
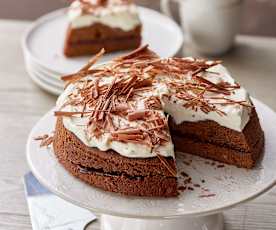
[
  {"x": 120, "y": 124},
  {"x": 112, "y": 24}
]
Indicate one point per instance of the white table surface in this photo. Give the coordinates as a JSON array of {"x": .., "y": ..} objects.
[{"x": 252, "y": 62}]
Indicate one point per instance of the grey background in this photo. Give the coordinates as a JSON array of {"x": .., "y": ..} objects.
[{"x": 259, "y": 16}]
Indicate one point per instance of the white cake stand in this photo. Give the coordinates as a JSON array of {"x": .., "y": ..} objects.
[{"x": 216, "y": 187}]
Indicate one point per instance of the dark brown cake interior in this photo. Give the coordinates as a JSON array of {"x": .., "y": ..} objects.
[
  {"x": 210, "y": 140},
  {"x": 89, "y": 40}
]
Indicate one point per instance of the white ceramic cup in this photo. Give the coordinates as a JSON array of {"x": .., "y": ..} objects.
[{"x": 210, "y": 25}]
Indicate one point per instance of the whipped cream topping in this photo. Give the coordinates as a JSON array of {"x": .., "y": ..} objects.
[
  {"x": 186, "y": 89},
  {"x": 237, "y": 115},
  {"x": 78, "y": 126},
  {"x": 115, "y": 14}
]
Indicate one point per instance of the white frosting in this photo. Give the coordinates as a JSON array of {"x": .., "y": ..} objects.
[
  {"x": 122, "y": 16},
  {"x": 237, "y": 116},
  {"x": 77, "y": 126}
]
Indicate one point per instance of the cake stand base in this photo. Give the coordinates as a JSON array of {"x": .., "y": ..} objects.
[
  {"x": 211, "y": 222},
  {"x": 191, "y": 210}
]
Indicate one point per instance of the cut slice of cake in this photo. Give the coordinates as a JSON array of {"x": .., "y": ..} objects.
[
  {"x": 119, "y": 124},
  {"x": 212, "y": 116},
  {"x": 94, "y": 24}
]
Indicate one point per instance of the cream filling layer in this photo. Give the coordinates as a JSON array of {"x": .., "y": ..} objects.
[{"x": 124, "y": 17}]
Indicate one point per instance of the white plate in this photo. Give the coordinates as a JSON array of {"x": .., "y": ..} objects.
[
  {"x": 230, "y": 184},
  {"x": 45, "y": 39},
  {"x": 50, "y": 79},
  {"x": 53, "y": 89},
  {"x": 29, "y": 61}
]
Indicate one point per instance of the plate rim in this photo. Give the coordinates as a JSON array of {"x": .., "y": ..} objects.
[
  {"x": 47, "y": 78},
  {"x": 43, "y": 85},
  {"x": 53, "y": 14},
  {"x": 52, "y": 75},
  {"x": 124, "y": 215}
]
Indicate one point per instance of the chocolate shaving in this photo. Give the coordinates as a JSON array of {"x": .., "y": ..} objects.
[
  {"x": 79, "y": 75},
  {"x": 93, "y": 60},
  {"x": 207, "y": 195},
  {"x": 134, "y": 53},
  {"x": 84, "y": 71},
  {"x": 39, "y": 138},
  {"x": 137, "y": 115},
  {"x": 45, "y": 140},
  {"x": 167, "y": 165},
  {"x": 69, "y": 114}
]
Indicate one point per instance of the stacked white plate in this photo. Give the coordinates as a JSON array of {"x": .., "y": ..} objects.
[{"x": 43, "y": 46}]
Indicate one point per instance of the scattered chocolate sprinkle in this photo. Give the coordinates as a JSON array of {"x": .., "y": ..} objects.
[
  {"x": 207, "y": 195},
  {"x": 184, "y": 174},
  {"x": 186, "y": 162},
  {"x": 45, "y": 140},
  {"x": 39, "y": 138},
  {"x": 220, "y": 166},
  {"x": 188, "y": 180},
  {"x": 182, "y": 188}
]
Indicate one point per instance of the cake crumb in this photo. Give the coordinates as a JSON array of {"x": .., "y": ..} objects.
[
  {"x": 184, "y": 174},
  {"x": 182, "y": 188}
]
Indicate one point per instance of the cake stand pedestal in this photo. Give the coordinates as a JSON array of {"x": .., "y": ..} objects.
[
  {"x": 212, "y": 222},
  {"x": 208, "y": 187}
]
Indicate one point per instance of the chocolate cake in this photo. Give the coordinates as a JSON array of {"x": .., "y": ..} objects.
[
  {"x": 94, "y": 24},
  {"x": 120, "y": 124}
]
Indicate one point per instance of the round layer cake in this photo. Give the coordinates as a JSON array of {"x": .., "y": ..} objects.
[{"x": 119, "y": 124}]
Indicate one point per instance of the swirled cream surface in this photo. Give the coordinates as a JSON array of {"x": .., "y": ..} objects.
[{"x": 114, "y": 14}]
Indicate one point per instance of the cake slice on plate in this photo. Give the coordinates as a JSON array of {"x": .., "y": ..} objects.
[
  {"x": 119, "y": 125},
  {"x": 95, "y": 24}
]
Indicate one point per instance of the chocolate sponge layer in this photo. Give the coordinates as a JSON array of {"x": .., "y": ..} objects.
[
  {"x": 210, "y": 140},
  {"x": 90, "y": 40}
]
